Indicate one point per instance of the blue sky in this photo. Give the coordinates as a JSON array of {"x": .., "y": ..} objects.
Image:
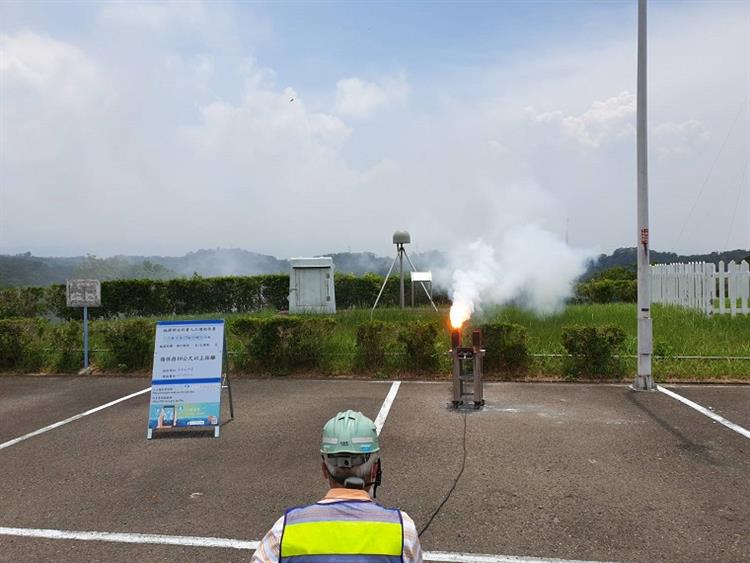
[{"x": 292, "y": 128}]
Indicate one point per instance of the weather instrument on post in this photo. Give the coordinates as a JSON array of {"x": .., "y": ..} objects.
[{"x": 400, "y": 238}]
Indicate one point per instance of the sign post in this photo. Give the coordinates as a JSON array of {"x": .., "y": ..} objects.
[
  {"x": 84, "y": 293},
  {"x": 188, "y": 376}
]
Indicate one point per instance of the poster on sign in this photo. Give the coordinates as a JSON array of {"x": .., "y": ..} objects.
[{"x": 187, "y": 376}]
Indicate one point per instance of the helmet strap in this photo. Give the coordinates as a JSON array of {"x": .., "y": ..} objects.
[{"x": 378, "y": 479}]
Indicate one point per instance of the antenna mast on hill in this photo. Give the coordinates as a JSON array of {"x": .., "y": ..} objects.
[{"x": 644, "y": 381}]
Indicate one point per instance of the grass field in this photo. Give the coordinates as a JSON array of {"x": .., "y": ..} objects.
[
  {"x": 679, "y": 336},
  {"x": 677, "y": 332}
]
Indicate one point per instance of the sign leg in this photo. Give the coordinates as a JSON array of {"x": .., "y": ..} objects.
[
  {"x": 85, "y": 338},
  {"x": 228, "y": 386}
]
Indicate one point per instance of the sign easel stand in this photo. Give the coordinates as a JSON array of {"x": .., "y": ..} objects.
[{"x": 225, "y": 384}]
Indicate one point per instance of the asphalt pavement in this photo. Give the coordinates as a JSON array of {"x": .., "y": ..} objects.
[{"x": 569, "y": 471}]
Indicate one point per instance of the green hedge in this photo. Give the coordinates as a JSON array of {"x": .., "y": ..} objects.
[
  {"x": 67, "y": 354},
  {"x": 23, "y": 302},
  {"x": 282, "y": 344},
  {"x": 420, "y": 346},
  {"x": 361, "y": 291},
  {"x": 129, "y": 343},
  {"x": 506, "y": 348},
  {"x": 372, "y": 343},
  {"x": 196, "y": 295},
  {"x": 592, "y": 351},
  {"x": 20, "y": 344}
]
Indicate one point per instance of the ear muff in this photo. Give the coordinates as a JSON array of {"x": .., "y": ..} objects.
[{"x": 352, "y": 482}]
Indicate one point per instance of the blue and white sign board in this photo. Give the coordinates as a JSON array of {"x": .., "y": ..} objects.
[{"x": 187, "y": 376}]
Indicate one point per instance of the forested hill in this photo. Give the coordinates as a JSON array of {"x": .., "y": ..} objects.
[
  {"x": 627, "y": 257},
  {"x": 25, "y": 269}
]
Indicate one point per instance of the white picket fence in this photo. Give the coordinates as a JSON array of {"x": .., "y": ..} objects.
[{"x": 703, "y": 286}]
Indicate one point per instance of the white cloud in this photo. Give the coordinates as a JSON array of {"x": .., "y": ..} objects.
[
  {"x": 605, "y": 119},
  {"x": 358, "y": 98},
  {"x": 145, "y": 139},
  {"x": 45, "y": 65},
  {"x": 51, "y": 91},
  {"x": 673, "y": 139},
  {"x": 615, "y": 118}
]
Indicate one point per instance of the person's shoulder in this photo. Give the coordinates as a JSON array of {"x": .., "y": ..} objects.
[
  {"x": 407, "y": 520},
  {"x": 412, "y": 550}
]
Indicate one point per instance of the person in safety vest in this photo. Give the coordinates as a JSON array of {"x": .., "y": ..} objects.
[{"x": 347, "y": 525}]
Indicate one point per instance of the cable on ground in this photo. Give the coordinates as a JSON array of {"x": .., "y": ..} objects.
[{"x": 453, "y": 487}]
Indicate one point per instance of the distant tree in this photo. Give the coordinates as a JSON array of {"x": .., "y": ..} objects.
[{"x": 617, "y": 273}]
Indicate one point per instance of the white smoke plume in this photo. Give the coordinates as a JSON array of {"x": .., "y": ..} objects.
[{"x": 528, "y": 265}]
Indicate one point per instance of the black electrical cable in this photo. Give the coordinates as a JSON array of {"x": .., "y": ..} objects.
[
  {"x": 713, "y": 164},
  {"x": 453, "y": 487}
]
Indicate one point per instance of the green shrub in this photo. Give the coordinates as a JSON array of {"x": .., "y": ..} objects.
[
  {"x": 283, "y": 344},
  {"x": 506, "y": 348},
  {"x": 66, "y": 342},
  {"x": 607, "y": 291},
  {"x": 130, "y": 344},
  {"x": 419, "y": 340},
  {"x": 20, "y": 344},
  {"x": 371, "y": 345},
  {"x": 22, "y": 302},
  {"x": 592, "y": 350}
]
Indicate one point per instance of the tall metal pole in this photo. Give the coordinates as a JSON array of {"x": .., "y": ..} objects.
[
  {"x": 401, "y": 271},
  {"x": 644, "y": 380}
]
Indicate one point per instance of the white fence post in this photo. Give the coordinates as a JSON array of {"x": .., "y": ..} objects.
[
  {"x": 703, "y": 286},
  {"x": 721, "y": 276},
  {"x": 709, "y": 286},
  {"x": 732, "y": 275},
  {"x": 744, "y": 282}
]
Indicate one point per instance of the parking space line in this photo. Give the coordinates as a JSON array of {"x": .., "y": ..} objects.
[
  {"x": 15, "y": 441},
  {"x": 191, "y": 541},
  {"x": 703, "y": 410},
  {"x": 451, "y": 557},
  {"x": 386, "y": 407},
  {"x": 228, "y": 543}
]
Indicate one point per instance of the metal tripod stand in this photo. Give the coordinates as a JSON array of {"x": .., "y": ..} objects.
[{"x": 400, "y": 255}]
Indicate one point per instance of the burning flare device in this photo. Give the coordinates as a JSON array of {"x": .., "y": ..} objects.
[{"x": 467, "y": 369}]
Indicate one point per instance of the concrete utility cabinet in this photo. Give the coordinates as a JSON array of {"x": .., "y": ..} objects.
[{"x": 311, "y": 288}]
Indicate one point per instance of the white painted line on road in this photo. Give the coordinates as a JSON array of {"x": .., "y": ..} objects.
[
  {"x": 15, "y": 441},
  {"x": 484, "y": 558},
  {"x": 710, "y": 414},
  {"x": 193, "y": 541},
  {"x": 386, "y": 408},
  {"x": 228, "y": 543}
]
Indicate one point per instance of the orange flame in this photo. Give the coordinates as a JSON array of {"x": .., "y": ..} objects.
[{"x": 460, "y": 312}]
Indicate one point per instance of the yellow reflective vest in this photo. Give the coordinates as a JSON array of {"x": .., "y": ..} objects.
[{"x": 342, "y": 531}]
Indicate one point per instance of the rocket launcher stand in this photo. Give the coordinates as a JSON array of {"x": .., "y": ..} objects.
[{"x": 467, "y": 370}]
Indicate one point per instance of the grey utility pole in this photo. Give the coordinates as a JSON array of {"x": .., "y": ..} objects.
[{"x": 644, "y": 380}]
